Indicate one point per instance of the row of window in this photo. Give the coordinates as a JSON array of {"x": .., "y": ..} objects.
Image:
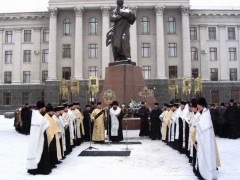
[
  {"x": 7, "y": 98},
  {"x": 27, "y": 36},
  {"x": 26, "y": 97},
  {"x": 26, "y": 76},
  {"x": 146, "y": 70},
  {"x": 232, "y": 54},
  {"x": 212, "y": 33},
  {"x": 146, "y": 53}
]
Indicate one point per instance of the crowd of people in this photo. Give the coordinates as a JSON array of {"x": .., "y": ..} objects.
[
  {"x": 55, "y": 131},
  {"x": 188, "y": 127}
]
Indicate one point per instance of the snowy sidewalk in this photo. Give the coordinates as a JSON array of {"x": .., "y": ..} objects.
[{"x": 150, "y": 160}]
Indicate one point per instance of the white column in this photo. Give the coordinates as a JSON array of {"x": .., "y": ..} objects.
[
  {"x": 133, "y": 38},
  {"x": 223, "y": 60},
  {"x": 52, "y": 63},
  {"x": 79, "y": 44},
  {"x": 36, "y": 56},
  {"x": 204, "y": 68},
  {"x": 187, "y": 67},
  {"x": 17, "y": 56},
  {"x": 1, "y": 57},
  {"x": 161, "y": 65},
  {"x": 105, "y": 49}
]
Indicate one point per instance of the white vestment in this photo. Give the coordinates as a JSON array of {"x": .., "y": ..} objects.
[
  {"x": 114, "y": 121},
  {"x": 206, "y": 153},
  {"x": 173, "y": 121},
  {"x": 36, "y": 143}
]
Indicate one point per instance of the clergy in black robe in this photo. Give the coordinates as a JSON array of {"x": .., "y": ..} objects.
[
  {"x": 38, "y": 161},
  {"x": 115, "y": 122},
  {"x": 155, "y": 123},
  {"x": 221, "y": 127},
  {"x": 215, "y": 116},
  {"x": 26, "y": 122},
  {"x": 232, "y": 117},
  {"x": 143, "y": 113},
  {"x": 88, "y": 125}
]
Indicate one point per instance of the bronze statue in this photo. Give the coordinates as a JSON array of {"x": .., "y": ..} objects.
[{"x": 119, "y": 35}]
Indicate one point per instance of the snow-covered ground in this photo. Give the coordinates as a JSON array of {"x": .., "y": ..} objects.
[{"x": 151, "y": 160}]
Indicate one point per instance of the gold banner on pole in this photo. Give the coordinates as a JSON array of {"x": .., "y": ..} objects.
[
  {"x": 93, "y": 84},
  {"x": 187, "y": 85},
  {"x": 75, "y": 87},
  {"x": 172, "y": 87},
  {"x": 198, "y": 86},
  {"x": 63, "y": 88}
]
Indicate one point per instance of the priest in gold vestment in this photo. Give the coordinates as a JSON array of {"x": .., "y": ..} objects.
[{"x": 98, "y": 116}]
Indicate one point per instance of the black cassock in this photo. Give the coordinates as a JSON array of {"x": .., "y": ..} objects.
[
  {"x": 119, "y": 137},
  {"x": 143, "y": 113},
  {"x": 155, "y": 124},
  {"x": 44, "y": 166},
  {"x": 232, "y": 116},
  {"x": 26, "y": 115},
  {"x": 87, "y": 123}
]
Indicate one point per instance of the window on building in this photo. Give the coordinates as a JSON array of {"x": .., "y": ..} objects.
[
  {"x": 233, "y": 74},
  {"x": 8, "y": 37},
  {"x": 46, "y": 35},
  {"x": 195, "y": 73},
  {"x": 213, "y": 74},
  {"x": 146, "y": 70},
  {"x": 231, "y": 33},
  {"x": 214, "y": 96},
  {"x": 7, "y": 77},
  {"x": 27, "y": 35},
  {"x": 66, "y": 73},
  {"x": 145, "y": 25},
  {"x": 66, "y": 50},
  {"x": 7, "y": 98},
  {"x": 146, "y": 51},
  {"x": 172, "y": 50},
  {"x": 212, "y": 33},
  {"x": 193, "y": 33},
  {"x": 92, "y": 71},
  {"x": 92, "y": 26},
  {"x": 67, "y": 27},
  {"x": 194, "y": 53},
  {"x": 26, "y": 76},
  {"x": 44, "y": 75},
  {"x": 213, "y": 54},
  {"x": 173, "y": 71},
  {"x": 27, "y": 56},
  {"x": 232, "y": 54},
  {"x": 8, "y": 57},
  {"x": 45, "y": 54},
  {"x": 235, "y": 94},
  {"x": 171, "y": 25},
  {"x": 26, "y": 97},
  {"x": 92, "y": 51}
]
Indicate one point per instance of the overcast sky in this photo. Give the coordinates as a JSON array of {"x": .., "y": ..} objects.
[{"x": 41, "y": 5}]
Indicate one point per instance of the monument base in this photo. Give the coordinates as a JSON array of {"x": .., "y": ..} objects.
[
  {"x": 122, "y": 62},
  {"x": 126, "y": 81}
]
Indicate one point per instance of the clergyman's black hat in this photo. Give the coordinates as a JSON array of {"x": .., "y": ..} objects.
[
  {"x": 49, "y": 107},
  {"x": 202, "y": 102},
  {"x": 40, "y": 104},
  {"x": 157, "y": 104},
  {"x": 114, "y": 103},
  {"x": 99, "y": 103},
  {"x": 194, "y": 103}
]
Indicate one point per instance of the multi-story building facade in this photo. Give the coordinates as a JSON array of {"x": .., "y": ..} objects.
[{"x": 168, "y": 39}]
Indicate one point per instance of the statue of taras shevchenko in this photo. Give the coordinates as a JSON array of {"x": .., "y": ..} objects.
[{"x": 119, "y": 35}]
